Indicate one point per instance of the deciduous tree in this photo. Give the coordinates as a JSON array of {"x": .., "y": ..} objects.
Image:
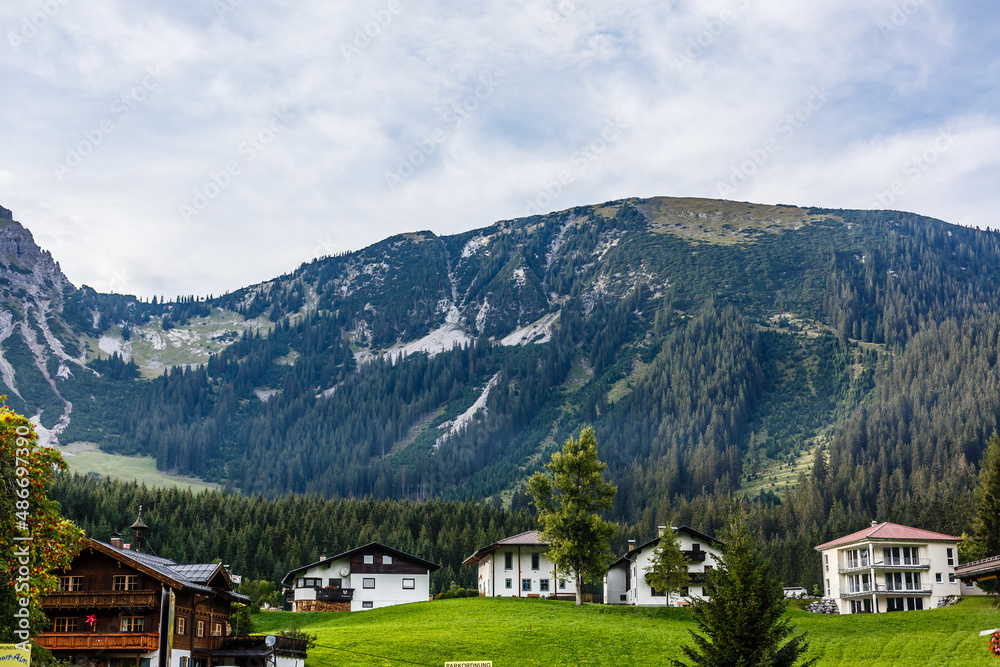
[
  {"x": 668, "y": 570},
  {"x": 569, "y": 502}
]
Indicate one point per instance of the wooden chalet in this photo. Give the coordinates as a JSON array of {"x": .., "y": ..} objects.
[{"x": 119, "y": 607}]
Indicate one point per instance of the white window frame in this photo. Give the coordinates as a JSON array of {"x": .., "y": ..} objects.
[
  {"x": 366, "y": 580},
  {"x": 369, "y": 559},
  {"x": 409, "y": 584},
  {"x": 386, "y": 560}
]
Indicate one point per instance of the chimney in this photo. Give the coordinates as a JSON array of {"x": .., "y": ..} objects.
[
  {"x": 322, "y": 556},
  {"x": 660, "y": 530},
  {"x": 117, "y": 541},
  {"x": 631, "y": 545},
  {"x": 874, "y": 523}
]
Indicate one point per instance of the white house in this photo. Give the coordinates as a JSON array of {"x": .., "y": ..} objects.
[
  {"x": 889, "y": 567},
  {"x": 519, "y": 567},
  {"x": 625, "y": 582},
  {"x": 368, "y": 577}
]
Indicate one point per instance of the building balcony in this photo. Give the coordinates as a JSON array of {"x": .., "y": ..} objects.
[
  {"x": 880, "y": 589},
  {"x": 73, "y": 641},
  {"x": 334, "y": 594},
  {"x": 101, "y": 600},
  {"x": 695, "y": 556},
  {"x": 245, "y": 646},
  {"x": 887, "y": 564}
]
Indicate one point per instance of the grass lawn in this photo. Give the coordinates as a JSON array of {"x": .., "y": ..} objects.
[
  {"x": 85, "y": 458},
  {"x": 541, "y": 632}
]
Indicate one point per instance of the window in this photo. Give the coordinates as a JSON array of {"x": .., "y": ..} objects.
[
  {"x": 132, "y": 623},
  {"x": 70, "y": 584},
  {"x": 309, "y": 582},
  {"x": 184, "y": 661},
  {"x": 368, "y": 582},
  {"x": 827, "y": 586},
  {"x": 369, "y": 559},
  {"x": 508, "y": 561},
  {"x": 857, "y": 558},
  {"x": 562, "y": 584},
  {"x": 526, "y": 585},
  {"x": 708, "y": 568},
  {"x": 217, "y": 629},
  {"x": 655, "y": 593},
  {"x": 902, "y": 581},
  {"x": 125, "y": 582},
  {"x": 64, "y": 625},
  {"x": 684, "y": 591},
  {"x": 508, "y": 583},
  {"x": 704, "y": 591},
  {"x": 409, "y": 584},
  {"x": 622, "y": 598},
  {"x": 386, "y": 560},
  {"x": 543, "y": 585},
  {"x": 951, "y": 557},
  {"x": 859, "y": 583},
  {"x": 367, "y": 604},
  {"x": 861, "y": 606},
  {"x": 534, "y": 561},
  {"x": 894, "y": 604},
  {"x": 181, "y": 625},
  {"x": 695, "y": 547},
  {"x": 951, "y": 577},
  {"x": 937, "y": 578},
  {"x": 336, "y": 583},
  {"x": 826, "y": 562},
  {"x": 200, "y": 629},
  {"x": 970, "y": 584},
  {"x": 914, "y": 604}
]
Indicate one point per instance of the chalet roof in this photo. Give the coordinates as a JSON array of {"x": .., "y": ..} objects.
[
  {"x": 433, "y": 567},
  {"x": 986, "y": 568},
  {"x": 167, "y": 571},
  {"x": 529, "y": 538},
  {"x": 889, "y": 531},
  {"x": 679, "y": 529}
]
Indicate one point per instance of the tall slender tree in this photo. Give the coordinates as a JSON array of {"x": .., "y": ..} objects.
[
  {"x": 667, "y": 572},
  {"x": 569, "y": 503},
  {"x": 986, "y": 527},
  {"x": 741, "y": 624}
]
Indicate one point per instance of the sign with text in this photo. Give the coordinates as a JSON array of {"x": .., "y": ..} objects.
[
  {"x": 473, "y": 663},
  {"x": 10, "y": 654}
]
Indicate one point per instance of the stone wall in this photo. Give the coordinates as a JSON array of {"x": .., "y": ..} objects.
[{"x": 824, "y": 606}]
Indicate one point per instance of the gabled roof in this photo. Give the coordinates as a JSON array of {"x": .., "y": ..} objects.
[
  {"x": 529, "y": 538},
  {"x": 679, "y": 529},
  {"x": 433, "y": 567},
  {"x": 170, "y": 573},
  {"x": 889, "y": 531}
]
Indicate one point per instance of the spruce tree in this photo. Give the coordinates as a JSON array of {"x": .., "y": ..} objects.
[
  {"x": 741, "y": 624},
  {"x": 986, "y": 527},
  {"x": 668, "y": 570},
  {"x": 568, "y": 505}
]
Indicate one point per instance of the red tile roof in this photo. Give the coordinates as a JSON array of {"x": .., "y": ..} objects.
[
  {"x": 527, "y": 538},
  {"x": 890, "y": 531}
]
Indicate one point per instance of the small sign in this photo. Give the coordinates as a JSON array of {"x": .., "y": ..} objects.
[
  {"x": 988, "y": 632},
  {"x": 10, "y": 654},
  {"x": 474, "y": 663}
]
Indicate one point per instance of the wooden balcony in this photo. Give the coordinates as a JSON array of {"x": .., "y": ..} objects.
[
  {"x": 102, "y": 600},
  {"x": 695, "y": 556},
  {"x": 73, "y": 641}
]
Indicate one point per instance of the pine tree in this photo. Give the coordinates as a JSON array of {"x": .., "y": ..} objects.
[
  {"x": 568, "y": 506},
  {"x": 668, "y": 570},
  {"x": 986, "y": 527},
  {"x": 741, "y": 623}
]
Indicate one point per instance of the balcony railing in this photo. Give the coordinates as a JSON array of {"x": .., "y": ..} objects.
[
  {"x": 142, "y": 641},
  {"x": 880, "y": 589},
  {"x": 287, "y": 646},
  {"x": 335, "y": 594},
  {"x": 101, "y": 600},
  {"x": 887, "y": 564},
  {"x": 695, "y": 556}
]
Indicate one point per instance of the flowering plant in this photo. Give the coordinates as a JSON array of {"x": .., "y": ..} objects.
[{"x": 995, "y": 643}]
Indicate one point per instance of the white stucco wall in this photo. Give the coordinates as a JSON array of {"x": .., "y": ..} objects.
[
  {"x": 493, "y": 575},
  {"x": 388, "y": 588}
]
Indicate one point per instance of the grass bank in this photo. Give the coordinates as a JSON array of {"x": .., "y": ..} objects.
[{"x": 542, "y": 632}]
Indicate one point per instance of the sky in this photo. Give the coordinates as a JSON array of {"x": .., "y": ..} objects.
[{"x": 197, "y": 147}]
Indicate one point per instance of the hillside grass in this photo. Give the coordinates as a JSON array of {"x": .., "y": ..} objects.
[
  {"x": 543, "y": 632},
  {"x": 85, "y": 458}
]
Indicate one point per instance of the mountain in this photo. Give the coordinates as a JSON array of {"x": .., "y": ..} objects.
[{"x": 714, "y": 345}]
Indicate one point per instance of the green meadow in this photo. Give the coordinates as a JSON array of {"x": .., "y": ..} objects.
[{"x": 541, "y": 632}]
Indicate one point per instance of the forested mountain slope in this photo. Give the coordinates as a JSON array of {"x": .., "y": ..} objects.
[{"x": 712, "y": 344}]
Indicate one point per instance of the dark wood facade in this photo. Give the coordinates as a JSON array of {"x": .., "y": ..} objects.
[{"x": 110, "y": 608}]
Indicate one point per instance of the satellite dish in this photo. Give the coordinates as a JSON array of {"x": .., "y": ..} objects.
[
  {"x": 269, "y": 640},
  {"x": 344, "y": 571}
]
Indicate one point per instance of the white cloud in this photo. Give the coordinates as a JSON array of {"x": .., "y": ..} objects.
[{"x": 699, "y": 88}]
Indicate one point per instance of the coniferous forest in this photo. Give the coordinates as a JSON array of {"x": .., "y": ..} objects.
[{"x": 717, "y": 348}]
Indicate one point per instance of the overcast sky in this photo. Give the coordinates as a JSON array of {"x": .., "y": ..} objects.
[{"x": 195, "y": 147}]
